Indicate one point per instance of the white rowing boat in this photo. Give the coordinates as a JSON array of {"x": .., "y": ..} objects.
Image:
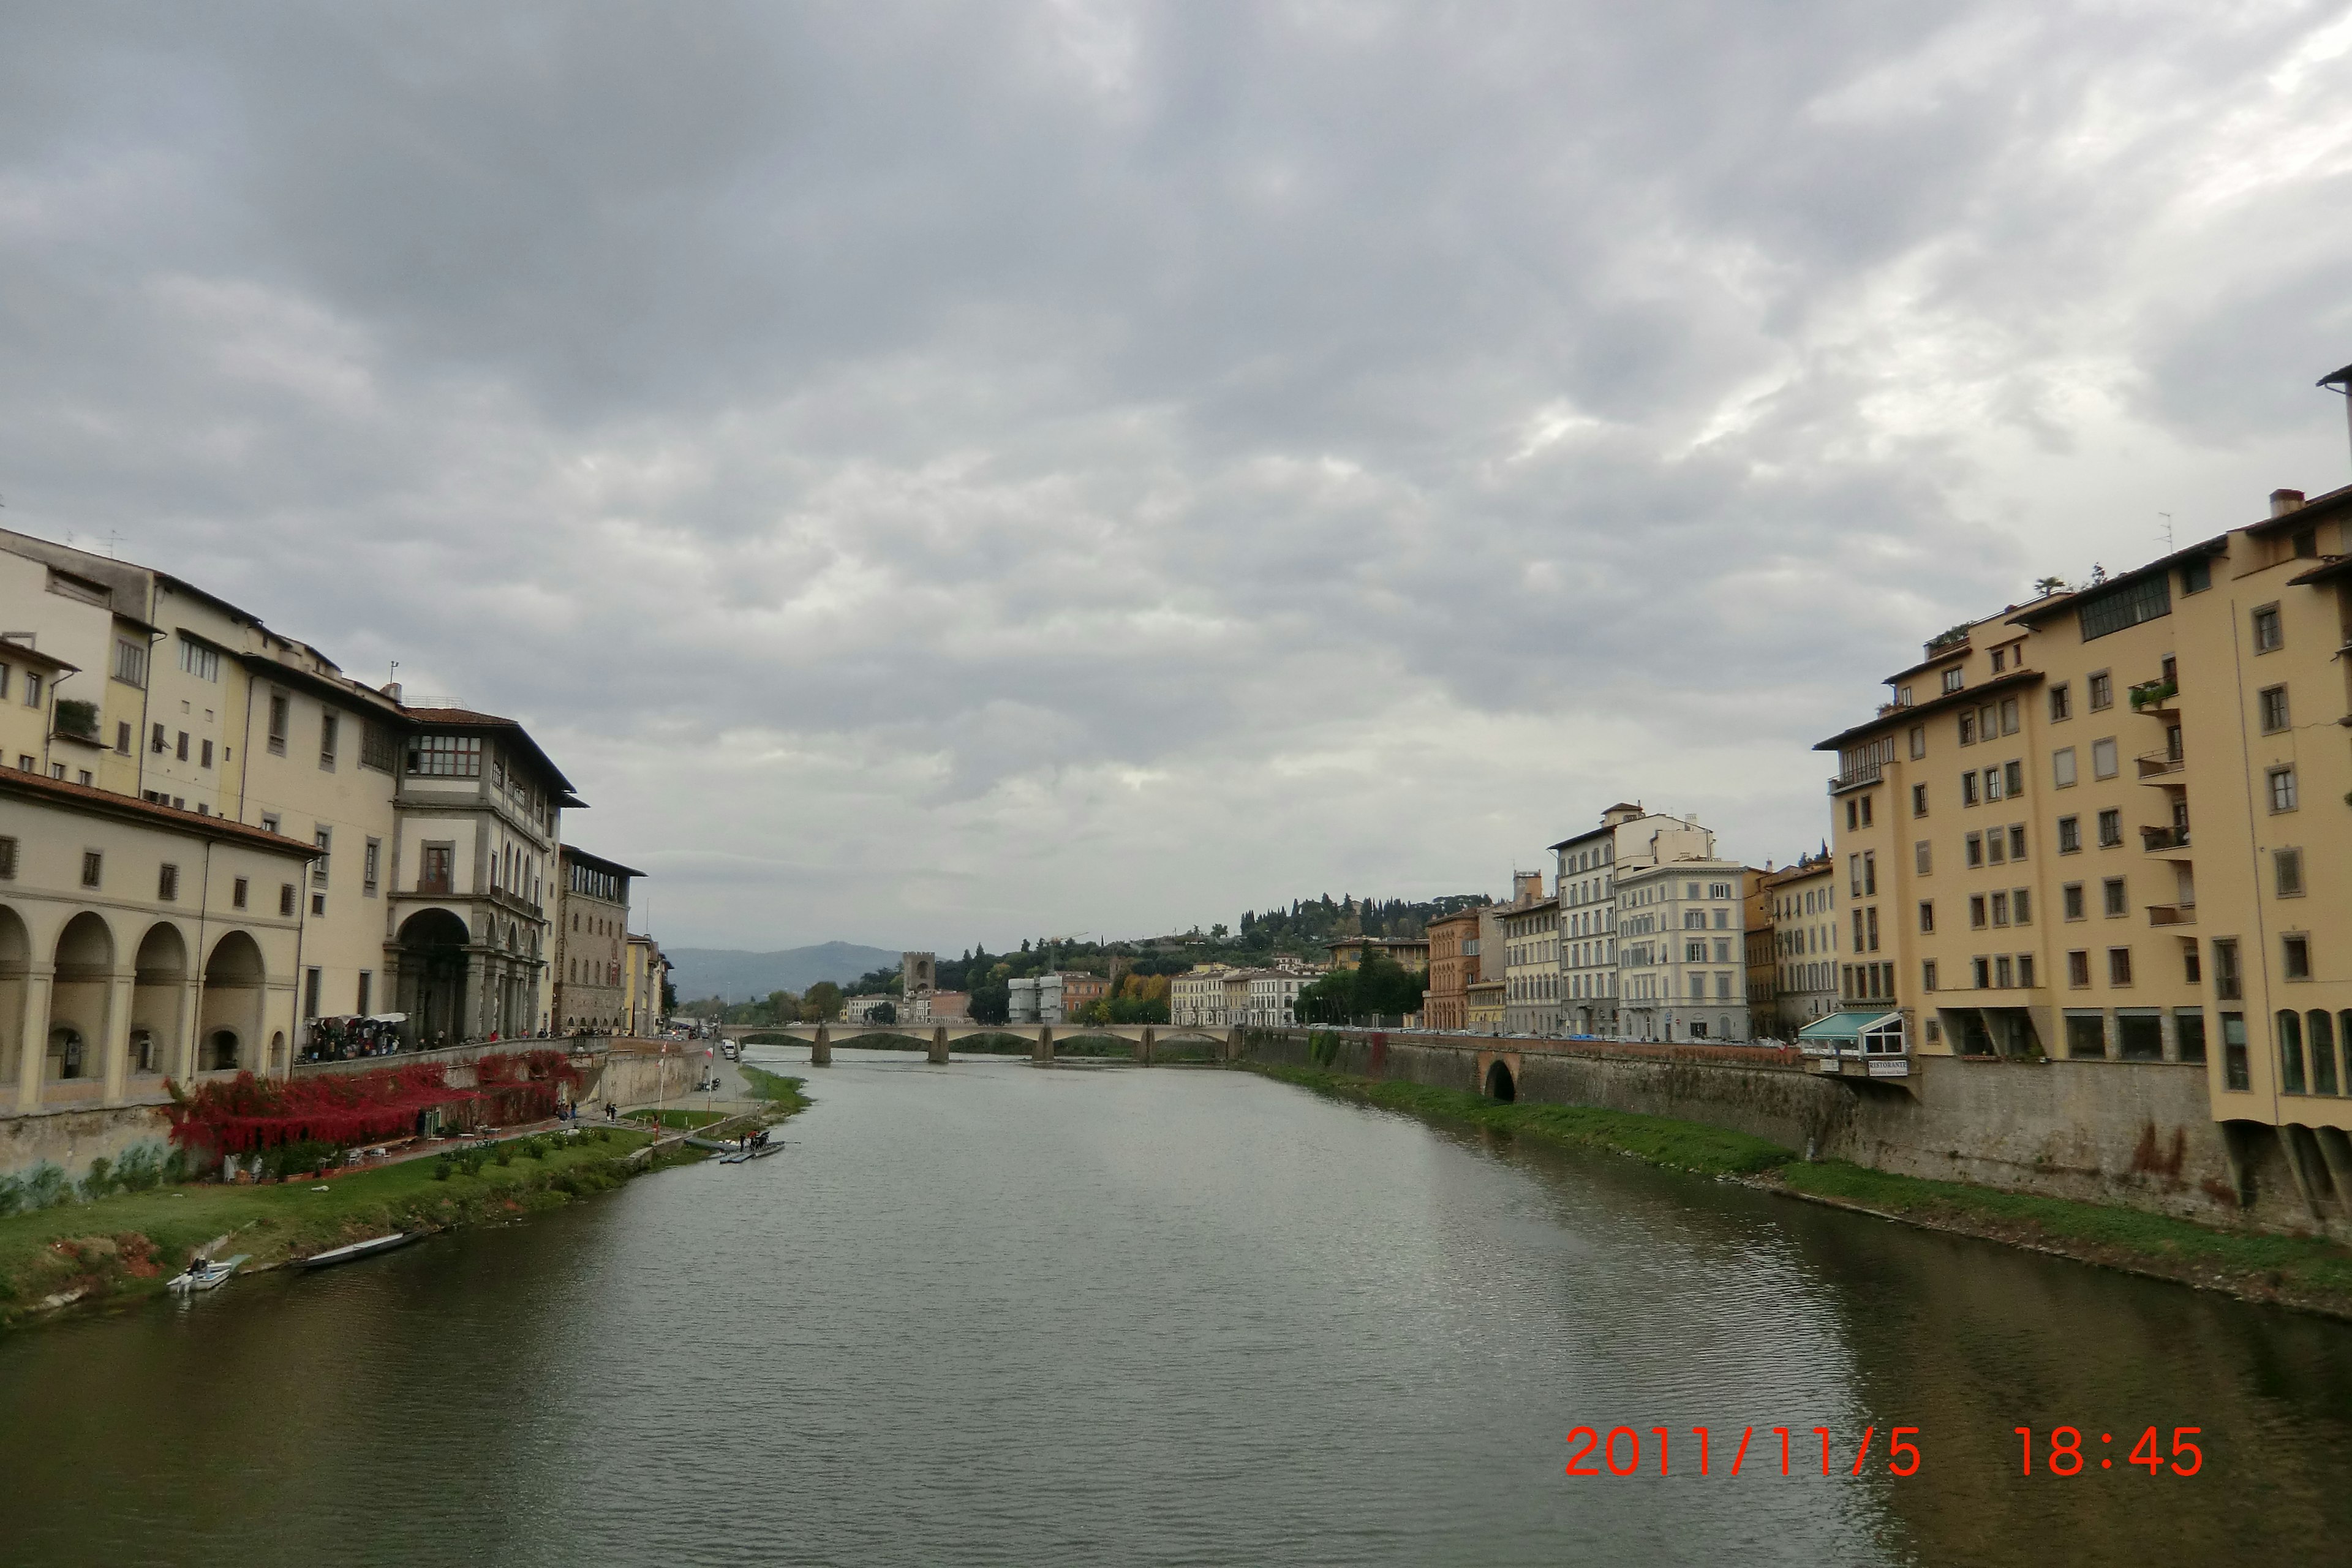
[
  {"x": 205, "y": 1274},
  {"x": 356, "y": 1251}
]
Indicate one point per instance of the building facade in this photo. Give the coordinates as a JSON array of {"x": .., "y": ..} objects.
[
  {"x": 1453, "y": 969},
  {"x": 1682, "y": 957},
  {"x": 1586, "y": 869},
  {"x": 592, "y": 929},
  {"x": 1196, "y": 998},
  {"x": 1272, "y": 994},
  {"x": 1531, "y": 967},
  {"x": 1802, "y": 906},
  {"x": 2110, "y": 825}
]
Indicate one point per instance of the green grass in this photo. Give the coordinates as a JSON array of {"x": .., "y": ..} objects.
[
  {"x": 2311, "y": 1270},
  {"x": 126, "y": 1245},
  {"x": 686, "y": 1121},
  {"x": 1682, "y": 1144},
  {"x": 2178, "y": 1247},
  {"x": 781, "y": 1093}
]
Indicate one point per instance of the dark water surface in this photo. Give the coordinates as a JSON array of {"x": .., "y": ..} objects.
[{"x": 984, "y": 1313}]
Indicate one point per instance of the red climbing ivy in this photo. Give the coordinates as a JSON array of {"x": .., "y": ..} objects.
[{"x": 239, "y": 1115}]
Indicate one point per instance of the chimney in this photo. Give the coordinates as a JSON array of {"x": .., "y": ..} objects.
[
  {"x": 392, "y": 689},
  {"x": 2285, "y": 502}
]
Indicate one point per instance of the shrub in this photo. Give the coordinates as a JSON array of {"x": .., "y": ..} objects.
[
  {"x": 100, "y": 1179},
  {"x": 443, "y": 1168},
  {"x": 505, "y": 1156},
  {"x": 534, "y": 1148},
  {"x": 141, "y": 1169},
  {"x": 45, "y": 1187}
]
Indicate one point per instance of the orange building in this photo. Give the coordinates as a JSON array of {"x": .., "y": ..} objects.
[{"x": 1453, "y": 969}]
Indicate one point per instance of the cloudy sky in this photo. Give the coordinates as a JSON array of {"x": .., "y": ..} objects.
[{"x": 970, "y": 471}]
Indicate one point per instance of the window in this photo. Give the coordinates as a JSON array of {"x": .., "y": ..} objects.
[
  {"x": 2269, "y": 637},
  {"x": 32, "y": 690},
  {"x": 2281, "y": 782},
  {"x": 1928, "y": 974},
  {"x": 181, "y": 747},
  {"x": 1952, "y": 678},
  {"x": 1919, "y": 800},
  {"x": 159, "y": 742},
  {"x": 281, "y": 718},
  {"x": 2321, "y": 1032},
  {"x": 324, "y": 837},
  {"x": 122, "y": 739},
  {"x": 286, "y": 899},
  {"x": 2286, "y": 872},
  {"x": 2119, "y": 966},
  {"x": 1869, "y": 874},
  {"x": 199, "y": 659},
  {"x": 1967, "y": 723},
  {"x": 2070, "y": 899},
  {"x": 446, "y": 756},
  {"x": 1926, "y": 914},
  {"x": 1977, "y": 911},
  {"x": 2289, "y": 1044},
  {"x": 1918, "y": 742},
  {"x": 317, "y": 904},
  {"x": 1852, "y": 814},
  {"x": 2273, "y": 709},
  {"x": 2017, "y": 841},
  {"x": 2102, "y": 691},
  {"x": 2070, "y": 835},
  {"x": 2062, "y": 767},
  {"x": 2004, "y": 975},
  {"x": 2196, "y": 576},
  {"x": 2110, "y": 828},
  {"x": 2103, "y": 759},
  {"x": 2008, "y": 715},
  {"x": 130, "y": 662},
  {"x": 1873, "y": 913},
  {"x": 2128, "y": 606},
  {"x": 434, "y": 876},
  {"x": 2234, "y": 1051},
  {"x": 370, "y": 865},
  {"x": 376, "y": 747},
  {"x": 2113, "y": 894},
  {"x": 2294, "y": 957},
  {"x": 167, "y": 884},
  {"x": 2020, "y": 903},
  {"x": 1982, "y": 972},
  {"x": 1996, "y": 847},
  {"x": 2188, "y": 1026},
  {"x": 2061, "y": 702},
  {"x": 367, "y": 988},
  {"x": 270, "y": 821},
  {"x": 8, "y": 860},
  {"x": 330, "y": 732},
  {"x": 2078, "y": 968},
  {"x": 1695, "y": 953},
  {"x": 1975, "y": 843},
  {"x": 93, "y": 865},
  {"x": 237, "y": 892},
  {"x": 1999, "y": 659},
  {"x": 1923, "y": 857},
  {"x": 2012, "y": 779},
  {"x": 1992, "y": 784},
  {"x": 1967, "y": 789},
  {"x": 2025, "y": 970},
  {"x": 2139, "y": 1034}
]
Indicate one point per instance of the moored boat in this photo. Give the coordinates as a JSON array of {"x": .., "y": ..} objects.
[
  {"x": 355, "y": 1250},
  {"x": 205, "y": 1274}
]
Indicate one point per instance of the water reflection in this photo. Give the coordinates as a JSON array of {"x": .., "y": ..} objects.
[{"x": 984, "y": 1313}]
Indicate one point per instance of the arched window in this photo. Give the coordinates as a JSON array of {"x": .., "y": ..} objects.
[
  {"x": 2323, "y": 1053},
  {"x": 2289, "y": 1044}
]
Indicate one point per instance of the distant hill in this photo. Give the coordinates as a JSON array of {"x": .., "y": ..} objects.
[{"x": 741, "y": 976}]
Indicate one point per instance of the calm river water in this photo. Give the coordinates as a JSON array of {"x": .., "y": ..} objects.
[{"x": 984, "y": 1313}]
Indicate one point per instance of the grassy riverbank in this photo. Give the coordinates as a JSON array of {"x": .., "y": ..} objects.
[
  {"x": 124, "y": 1247},
  {"x": 2301, "y": 1271}
]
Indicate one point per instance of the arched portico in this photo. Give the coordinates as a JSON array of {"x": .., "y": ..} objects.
[
  {"x": 159, "y": 1003},
  {"x": 229, "y": 1012},
  {"x": 433, "y": 961},
  {"x": 82, "y": 1008},
  {"x": 16, "y": 977}
]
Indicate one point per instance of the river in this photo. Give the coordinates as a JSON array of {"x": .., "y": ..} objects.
[{"x": 985, "y": 1313}]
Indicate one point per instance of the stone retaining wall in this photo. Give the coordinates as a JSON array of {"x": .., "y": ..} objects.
[{"x": 2140, "y": 1134}]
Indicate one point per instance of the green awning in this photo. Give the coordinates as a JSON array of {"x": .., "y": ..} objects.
[{"x": 1847, "y": 1028}]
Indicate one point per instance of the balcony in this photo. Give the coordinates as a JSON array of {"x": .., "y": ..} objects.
[
  {"x": 2163, "y": 840},
  {"x": 2154, "y": 696},
  {"x": 2159, "y": 767},
  {"x": 1855, "y": 778},
  {"x": 2172, "y": 915}
]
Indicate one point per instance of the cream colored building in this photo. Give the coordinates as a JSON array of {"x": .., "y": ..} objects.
[
  {"x": 1681, "y": 952},
  {"x": 648, "y": 972},
  {"x": 435, "y": 831},
  {"x": 592, "y": 932},
  {"x": 1805, "y": 941},
  {"x": 2111, "y": 825},
  {"x": 1196, "y": 998},
  {"x": 1531, "y": 964},
  {"x": 1586, "y": 870},
  {"x": 138, "y": 943}
]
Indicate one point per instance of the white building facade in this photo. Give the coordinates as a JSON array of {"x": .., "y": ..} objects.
[{"x": 1682, "y": 963}]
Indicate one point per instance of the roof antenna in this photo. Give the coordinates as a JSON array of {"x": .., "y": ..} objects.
[
  {"x": 2167, "y": 532},
  {"x": 2340, "y": 382}
]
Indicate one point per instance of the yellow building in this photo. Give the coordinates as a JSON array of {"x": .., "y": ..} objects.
[
  {"x": 592, "y": 989},
  {"x": 1486, "y": 1007},
  {"x": 2112, "y": 824},
  {"x": 1408, "y": 952}
]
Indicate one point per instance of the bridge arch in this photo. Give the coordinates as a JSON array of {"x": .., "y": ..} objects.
[{"x": 1500, "y": 1085}]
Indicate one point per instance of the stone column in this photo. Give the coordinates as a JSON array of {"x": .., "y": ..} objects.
[
  {"x": 2336, "y": 1151},
  {"x": 821, "y": 1048},
  {"x": 468, "y": 1021},
  {"x": 1044, "y": 1049},
  {"x": 33, "y": 1060},
  {"x": 2167, "y": 1027},
  {"x": 183, "y": 1063},
  {"x": 940, "y": 1044},
  {"x": 115, "y": 1051},
  {"x": 1145, "y": 1046}
]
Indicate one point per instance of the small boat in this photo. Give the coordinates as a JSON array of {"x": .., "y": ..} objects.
[
  {"x": 356, "y": 1251},
  {"x": 205, "y": 1274},
  {"x": 757, "y": 1151}
]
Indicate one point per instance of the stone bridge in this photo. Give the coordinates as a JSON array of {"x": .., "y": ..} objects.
[{"x": 1145, "y": 1037}]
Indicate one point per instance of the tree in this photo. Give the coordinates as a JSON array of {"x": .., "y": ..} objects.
[
  {"x": 2045, "y": 586},
  {"x": 885, "y": 1012},
  {"x": 991, "y": 1001},
  {"x": 821, "y": 1002}
]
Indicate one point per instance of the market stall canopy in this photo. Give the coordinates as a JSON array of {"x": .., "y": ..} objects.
[{"x": 1872, "y": 1031}]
